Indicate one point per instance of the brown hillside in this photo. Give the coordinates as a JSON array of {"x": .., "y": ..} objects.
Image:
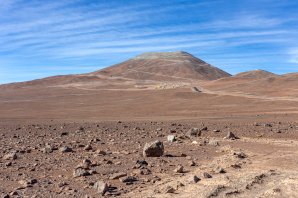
[{"x": 165, "y": 66}]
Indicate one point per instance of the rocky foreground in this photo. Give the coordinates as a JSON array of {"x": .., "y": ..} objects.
[{"x": 149, "y": 159}]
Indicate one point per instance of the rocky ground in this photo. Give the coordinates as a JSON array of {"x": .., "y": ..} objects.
[{"x": 193, "y": 159}]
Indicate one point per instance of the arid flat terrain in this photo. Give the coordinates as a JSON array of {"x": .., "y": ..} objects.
[{"x": 85, "y": 135}]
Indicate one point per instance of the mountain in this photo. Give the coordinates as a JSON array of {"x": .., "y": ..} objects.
[
  {"x": 257, "y": 82},
  {"x": 158, "y": 66},
  {"x": 255, "y": 74},
  {"x": 165, "y": 66}
]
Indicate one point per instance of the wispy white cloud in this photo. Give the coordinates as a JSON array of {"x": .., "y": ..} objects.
[{"x": 293, "y": 53}]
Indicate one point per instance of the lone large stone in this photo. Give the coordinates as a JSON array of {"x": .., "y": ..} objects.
[{"x": 153, "y": 149}]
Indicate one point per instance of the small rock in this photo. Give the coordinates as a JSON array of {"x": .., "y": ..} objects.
[
  {"x": 65, "y": 149},
  {"x": 240, "y": 155},
  {"x": 207, "y": 175},
  {"x": 231, "y": 136},
  {"x": 220, "y": 170},
  {"x": 153, "y": 149},
  {"x": 195, "y": 179},
  {"x": 10, "y": 156},
  {"x": 171, "y": 138},
  {"x": 128, "y": 179},
  {"x": 169, "y": 189},
  {"x": 47, "y": 149},
  {"x": 80, "y": 172},
  {"x": 179, "y": 169},
  {"x": 193, "y": 132},
  {"x": 191, "y": 163},
  {"x": 62, "y": 184},
  {"x": 101, "y": 187},
  {"x": 117, "y": 175},
  {"x": 213, "y": 143},
  {"x": 4, "y": 195},
  {"x": 88, "y": 147},
  {"x": 27, "y": 183},
  {"x": 85, "y": 164},
  {"x": 100, "y": 152},
  {"x": 141, "y": 163}
]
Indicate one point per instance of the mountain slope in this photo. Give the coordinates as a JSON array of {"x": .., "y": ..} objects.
[{"x": 165, "y": 66}]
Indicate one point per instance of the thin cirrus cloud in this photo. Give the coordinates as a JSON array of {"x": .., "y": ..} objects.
[
  {"x": 80, "y": 35},
  {"x": 294, "y": 55}
]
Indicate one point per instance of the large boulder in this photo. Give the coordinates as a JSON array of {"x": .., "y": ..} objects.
[{"x": 153, "y": 149}]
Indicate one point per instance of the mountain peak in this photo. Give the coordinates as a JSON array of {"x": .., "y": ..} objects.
[{"x": 163, "y": 55}]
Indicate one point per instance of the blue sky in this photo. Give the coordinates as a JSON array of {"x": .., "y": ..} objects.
[{"x": 40, "y": 38}]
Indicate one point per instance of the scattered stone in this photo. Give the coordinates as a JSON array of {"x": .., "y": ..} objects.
[
  {"x": 213, "y": 143},
  {"x": 172, "y": 131},
  {"x": 216, "y": 191},
  {"x": 191, "y": 163},
  {"x": 80, "y": 172},
  {"x": 101, "y": 187},
  {"x": 195, "y": 179},
  {"x": 62, "y": 184},
  {"x": 88, "y": 147},
  {"x": 153, "y": 149},
  {"x": 4, "y": 195},
  {"x": 100, "y": 152},
  {"x": 171, "y": 138},
  {"x": 193, "y": 132},
  {"x": 194, "y": 142},
  {"x": 27, "y": 183},
  {"x": 64, "y": 134},
  {"x": 179, "y": 169},
  {"x": 85, "y": 164},
  {"x": 117, "y": 175},
  {"x": 169, "y": 189},
  {"x": 144, "y": 171},
  {"x": 236, "y": 166},
  {"x": 13, "y": 193},
  {"x": 240, "y": 155},
  {"x": 140, "y": 163},
  {"x": 220, "y": 170},
  {"x": 231, "y": 136},
  {"x": 10, "y": 156},
  {"x": 216, "y": 130},
  {"x": 183, "y": 155},
  {"x": 65, "y": 149},
  {"x": 207, "y": 175},
  {"x": 128, "y": 179},
  {"x": 47, "y": 149}
]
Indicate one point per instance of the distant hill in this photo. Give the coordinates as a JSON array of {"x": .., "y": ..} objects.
[{"x": 255, "y": 74}]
